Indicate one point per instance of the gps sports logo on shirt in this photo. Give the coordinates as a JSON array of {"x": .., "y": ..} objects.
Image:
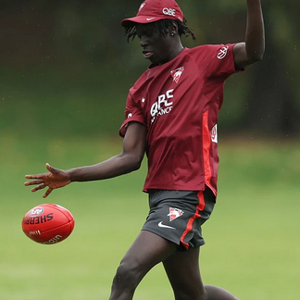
[
  {"x": 222, "y": 52},
  {"x": 162, "y": 106}
]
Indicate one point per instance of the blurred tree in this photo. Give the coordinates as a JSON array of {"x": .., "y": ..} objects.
[
  {"x": 80, "y": 46},
  {"x": 272, "y": 98}
]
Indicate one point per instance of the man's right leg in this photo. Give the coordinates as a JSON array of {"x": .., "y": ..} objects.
[
  {"x": 214, "y": 293},
  {"x": 183, "y": 271},
  {"x": 147, "y": 250}
]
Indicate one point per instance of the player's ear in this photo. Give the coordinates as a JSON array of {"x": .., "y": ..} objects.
[{"x": 173, "y": 29}]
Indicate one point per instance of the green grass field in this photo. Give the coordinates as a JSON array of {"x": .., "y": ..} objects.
[{"x": 252, "y": 246}]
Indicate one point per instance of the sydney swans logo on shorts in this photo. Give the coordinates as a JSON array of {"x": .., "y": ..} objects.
[
  {"x": 223, "y": 52},
  {"x": 175, "y": 213}
]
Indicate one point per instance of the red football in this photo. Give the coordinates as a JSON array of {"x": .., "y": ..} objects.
[{"x": 48, "y": 224}]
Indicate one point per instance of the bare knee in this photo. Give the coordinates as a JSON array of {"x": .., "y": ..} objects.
[
  {"x": 197, "y": 292},
  {"x": 206, "y": 292},
  {"x": 215, "y": 293},
  {"x": 128, "y": 276}
]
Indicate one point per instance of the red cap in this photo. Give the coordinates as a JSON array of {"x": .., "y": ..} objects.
[{"x": 155, "y": 10}]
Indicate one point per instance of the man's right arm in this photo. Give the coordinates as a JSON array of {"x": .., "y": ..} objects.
[{"x": 127, "y": 161}]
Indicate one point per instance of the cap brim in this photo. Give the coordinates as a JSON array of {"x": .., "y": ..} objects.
[{"x": 141, "y": 20}]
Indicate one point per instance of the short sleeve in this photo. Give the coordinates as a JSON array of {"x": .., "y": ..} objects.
[
  {"x": 220, "y": 61},
  {"x": 215, "y": 60},
  {"x": 133, "y": 113}
]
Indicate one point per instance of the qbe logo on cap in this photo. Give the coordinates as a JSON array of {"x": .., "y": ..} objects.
[{"x": 169, "y": 12}]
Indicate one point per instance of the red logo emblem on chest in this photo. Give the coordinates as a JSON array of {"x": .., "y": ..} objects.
[
  {"x": 176, "y": 74},
  {"x": 174, "y": 213}
]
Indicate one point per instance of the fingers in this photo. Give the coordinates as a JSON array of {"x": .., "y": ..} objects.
[
  {"x": 40, "y": 180},
  {"x": 47, "y": 192},
  {"x": 39, "y": 176},
  {"x": 39, "y": 187},
  {"x": 32, "y": 182},
  {"x": 51, "y": 169}
]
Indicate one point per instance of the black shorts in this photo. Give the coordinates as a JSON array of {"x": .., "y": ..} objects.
[{"x": 178, "y": 215}]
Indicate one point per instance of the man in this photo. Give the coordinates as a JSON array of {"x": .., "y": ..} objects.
[{"x": 171, "y": 115}]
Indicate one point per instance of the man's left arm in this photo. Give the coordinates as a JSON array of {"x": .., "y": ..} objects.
[{"x": 252, "y": 50}]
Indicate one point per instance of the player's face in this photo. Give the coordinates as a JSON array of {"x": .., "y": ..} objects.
[{"x": 157, "y": 48}]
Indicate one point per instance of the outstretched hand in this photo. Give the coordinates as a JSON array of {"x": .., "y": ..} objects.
[{"x": 53, "y": 179}]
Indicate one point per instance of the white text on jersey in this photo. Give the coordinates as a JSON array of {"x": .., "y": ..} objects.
[{"x": 162, "y": 106}]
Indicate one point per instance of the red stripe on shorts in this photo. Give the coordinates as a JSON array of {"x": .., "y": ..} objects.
[{"x": 189, "y": 226}]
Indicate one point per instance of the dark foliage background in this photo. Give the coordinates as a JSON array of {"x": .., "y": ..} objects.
[{"x": 66, "y": 66}]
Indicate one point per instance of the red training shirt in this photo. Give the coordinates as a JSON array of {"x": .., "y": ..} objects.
[{"x": 179, "y": 102}]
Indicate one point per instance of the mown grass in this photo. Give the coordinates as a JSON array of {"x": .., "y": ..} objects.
[{"x": 252, "y": 246}]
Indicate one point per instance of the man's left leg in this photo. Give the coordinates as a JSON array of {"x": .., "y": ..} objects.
[{"x": 183, "y": 271}]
